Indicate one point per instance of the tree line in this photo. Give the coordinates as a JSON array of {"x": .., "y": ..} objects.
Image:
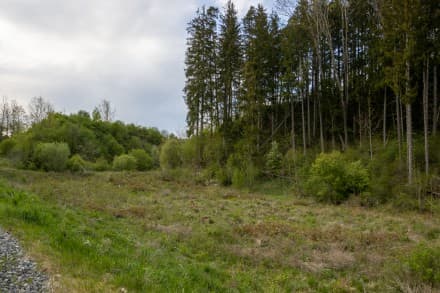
[
  {"x": 44, "y": 139},
  {"x": 337, "y": 74}
]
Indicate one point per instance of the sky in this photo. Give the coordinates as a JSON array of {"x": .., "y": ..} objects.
[{"x": 75, "y": 53}]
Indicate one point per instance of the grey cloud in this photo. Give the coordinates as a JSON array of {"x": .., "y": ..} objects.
[{"x": 77, "y": 52}]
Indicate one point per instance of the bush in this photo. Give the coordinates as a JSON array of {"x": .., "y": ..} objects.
[
  {"x": 124, "y": 163},
  {"x": 274, "y": 160},
  {"x": 51, "y": 156},
  {"x": 77, "y": 164},
  {"x": 171, "y": 154},
  {"x": 423, "y": 265},
  {"x": 190, "y": 152},
  {"x": 101, "y": 164},
  {"x": 241, "y": 171},
  {"x": 6, "y": 146},
  {"x": 332, "y": 178},
  {"x": 144, "y": 161}
]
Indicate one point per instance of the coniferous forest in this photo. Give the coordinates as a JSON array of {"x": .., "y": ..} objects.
[{"x": 316, "y": 77}]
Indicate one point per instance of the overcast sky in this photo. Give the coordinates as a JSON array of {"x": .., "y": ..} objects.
[{"x": 75, "y": 53}]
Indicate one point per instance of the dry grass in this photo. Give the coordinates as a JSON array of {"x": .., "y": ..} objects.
[{"x": 284, "y": 243}]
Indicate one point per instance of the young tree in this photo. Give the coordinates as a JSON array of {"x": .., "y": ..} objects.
[{"x": 39, "y": 109}]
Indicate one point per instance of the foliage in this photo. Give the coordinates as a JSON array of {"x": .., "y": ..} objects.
[
  {"x": 332, "y": 178},
  {"x": 422, "y": 266},
  {"x": 77, "y": 164},
  {"x": 91, "y": 139},
  {"x": 51, "y": 156},
  {"x": 124, "y": 163},
  {"x": 171, "y": 154},
  {"x": 274, "y": 160},
  {"x": 144, "y": 161},
  {"x": 101, "y": 164},
  {"x": 241, "y": 170},
  {"x": 190, "y": 152}
]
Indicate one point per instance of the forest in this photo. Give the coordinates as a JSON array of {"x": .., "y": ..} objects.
[
  {"x": 355, "y": 77},
  {"x": 42, "y": 139}
]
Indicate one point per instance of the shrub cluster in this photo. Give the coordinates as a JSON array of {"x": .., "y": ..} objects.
[
  {"x": 332, "y": 178},
  {"x": 52, "y": 156}
]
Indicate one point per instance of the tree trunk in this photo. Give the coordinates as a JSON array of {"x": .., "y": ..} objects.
[
  {"x": 321, "y": 130},
  {"x": 409, "y": 142},
  {"x": 426, "y": 113},
  {"x": 399, "y": 127},
  {"x": 435, "y": 113},
  {"x": 360, "y": 124},
  {"x": 384, "y": 134},
  {"x": 369, "y": 128},
  {"x": 304, "y": 126},
  {"x": 292, "y": 115}
]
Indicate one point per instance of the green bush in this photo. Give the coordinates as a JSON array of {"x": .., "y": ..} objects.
[
  {"x": 423, "y": 265},
  {"x": 77, "y": 164},
  {"x": 332, "y": 178},
  {"x": 241, "y": 171},
  {"x": 6, "y": 146},
  {"x": 124, "y": 163},
  {"x": 274, "y": 160},
  {"x": 171, "y": 154},
  {"x": 51, "y": 156},
  {"x": 144, "y": 161},
  {"x": 189, "y": 152},
  {"x": 101, "y": 164}
]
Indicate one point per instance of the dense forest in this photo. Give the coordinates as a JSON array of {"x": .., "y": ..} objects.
[{"x": 339, "y": 75}]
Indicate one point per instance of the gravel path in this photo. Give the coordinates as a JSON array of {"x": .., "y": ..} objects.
[{"x": 17, "y": 273}]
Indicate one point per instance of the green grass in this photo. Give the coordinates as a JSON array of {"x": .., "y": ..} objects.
[{"x": 107, "y": 231}]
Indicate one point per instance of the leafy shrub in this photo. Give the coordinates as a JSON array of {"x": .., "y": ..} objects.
[
  {"x": 241, "y": 171},
  {"x": 52, "y": 156},
  {"x": 155, "y": 155},
  {"x": 144, "y": 161},
  {"x": 124, "y": 163},
  {"x": 274, "y": 160},
  {"x": 189, "y": 152},
  {"x": 171, "y": 154},
  {"x": 101, "y": 164},
  {"x": 223, "y": 177},
  {"x": 77, "y": 164},
  {"x": 212, "y": 150},
  {"x": 332, "y": 178},
  {"x": 6, "y": 146},
  {"x": 423, "y": 265}
]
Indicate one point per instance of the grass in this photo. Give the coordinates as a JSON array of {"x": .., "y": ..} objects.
[{"x": 142, "y": 232}]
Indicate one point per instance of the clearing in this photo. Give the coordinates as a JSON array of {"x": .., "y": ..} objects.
[{"x": 143, "y": 232}]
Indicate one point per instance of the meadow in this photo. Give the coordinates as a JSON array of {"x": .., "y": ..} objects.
[{"x": 144, "y": 232}]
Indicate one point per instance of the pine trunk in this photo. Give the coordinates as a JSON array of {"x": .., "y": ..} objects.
[
  {"x": 426, "y": 114},
  {"x": 304, "y": 127},
  {"x": 435, "y": 112},
  {"x": 399, "y": 127},
  {"x": 384, "y": 134},
  {"x": 409, "y": 142}
]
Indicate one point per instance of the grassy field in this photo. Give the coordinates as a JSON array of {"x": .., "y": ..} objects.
[{"x": 143, "y": 232}]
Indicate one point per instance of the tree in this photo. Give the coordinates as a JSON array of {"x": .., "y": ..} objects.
[
  {"x": 104, "y": 111},
  {"x": 17, "y": 122},
  {"x": 39, "y": 109},
  {"x": 229, "y": 70}
]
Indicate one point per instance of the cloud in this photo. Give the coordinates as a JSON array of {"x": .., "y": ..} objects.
[{"x": 78, "y": 52}]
